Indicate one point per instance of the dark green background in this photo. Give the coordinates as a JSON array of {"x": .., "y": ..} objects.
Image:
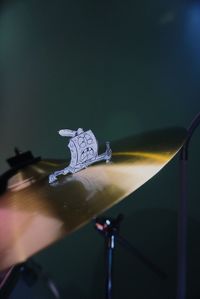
[{"x": 119, "y": 68}]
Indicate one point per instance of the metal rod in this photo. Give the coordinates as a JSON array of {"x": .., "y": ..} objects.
[
  {"x": 182, "y": 234},
  {"x": 109, "y": 228},
  {"x": 182, "y": 213},
  {"x": 109, "y": 277}
]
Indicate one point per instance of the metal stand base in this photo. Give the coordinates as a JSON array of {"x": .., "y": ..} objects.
[{"x": 109, "y": 228}]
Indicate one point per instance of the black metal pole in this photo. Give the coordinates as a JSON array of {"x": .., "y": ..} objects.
[
  {"x": 182, "y": 233},
  {"x": 182, "y": 213},
  {"x": 109, "y": 228},
  {"x": 110, "y": 246}
]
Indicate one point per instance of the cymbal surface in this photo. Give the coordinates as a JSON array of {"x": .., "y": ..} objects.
[{"x": 34, "y": 213}]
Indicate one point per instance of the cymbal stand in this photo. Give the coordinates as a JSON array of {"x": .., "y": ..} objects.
[
  {"x": 109, "y": 228},
  {"x": 182, "y": 212}
]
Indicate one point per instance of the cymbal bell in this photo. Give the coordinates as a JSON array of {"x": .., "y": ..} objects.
[{"x": 34, "y": 213}]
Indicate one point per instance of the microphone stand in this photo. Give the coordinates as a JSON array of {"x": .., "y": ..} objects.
[
  {"x": 182, "y": 212},
  {"x": 109, "y": 228}
]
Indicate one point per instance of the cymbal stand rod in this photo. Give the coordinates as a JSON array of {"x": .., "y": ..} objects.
[
  {"x": 182, "y": 213},
  {"x": 110, "y": 245},
  {"x": 109, "y": 228}
]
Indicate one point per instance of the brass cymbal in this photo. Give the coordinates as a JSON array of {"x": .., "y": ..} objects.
[{"x": 34, "y": 214}]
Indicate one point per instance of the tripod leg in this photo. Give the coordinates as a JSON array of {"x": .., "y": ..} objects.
[{"x": 141, "y": 257}]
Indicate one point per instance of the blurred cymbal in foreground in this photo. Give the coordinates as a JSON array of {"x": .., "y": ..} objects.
[{"x": 34, "y": 214}]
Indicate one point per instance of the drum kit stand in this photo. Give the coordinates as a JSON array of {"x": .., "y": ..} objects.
[
  {"x": 90, "y": 185},
  {"x": 109, "y": 228}
]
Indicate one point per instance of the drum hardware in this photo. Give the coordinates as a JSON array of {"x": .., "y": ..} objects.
[
  {"x": 30, "y": 206},
  {"x": 8, "y": 280},
  {"x": 30, "y": 272},
  {"x": 109, "y": 228},
  {"x": 34, "y": 213},
  {"x": 16, "y": 163},
  {"x": 182, "y": 212}
]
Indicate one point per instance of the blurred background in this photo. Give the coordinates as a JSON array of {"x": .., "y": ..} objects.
[{"x": 118, "y": 68}]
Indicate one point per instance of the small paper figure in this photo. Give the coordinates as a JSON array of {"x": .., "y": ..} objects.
[{"x": 84, "y": 152}]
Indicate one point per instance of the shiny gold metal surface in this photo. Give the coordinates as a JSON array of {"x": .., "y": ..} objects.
[{"x": 34, "y": 214}]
